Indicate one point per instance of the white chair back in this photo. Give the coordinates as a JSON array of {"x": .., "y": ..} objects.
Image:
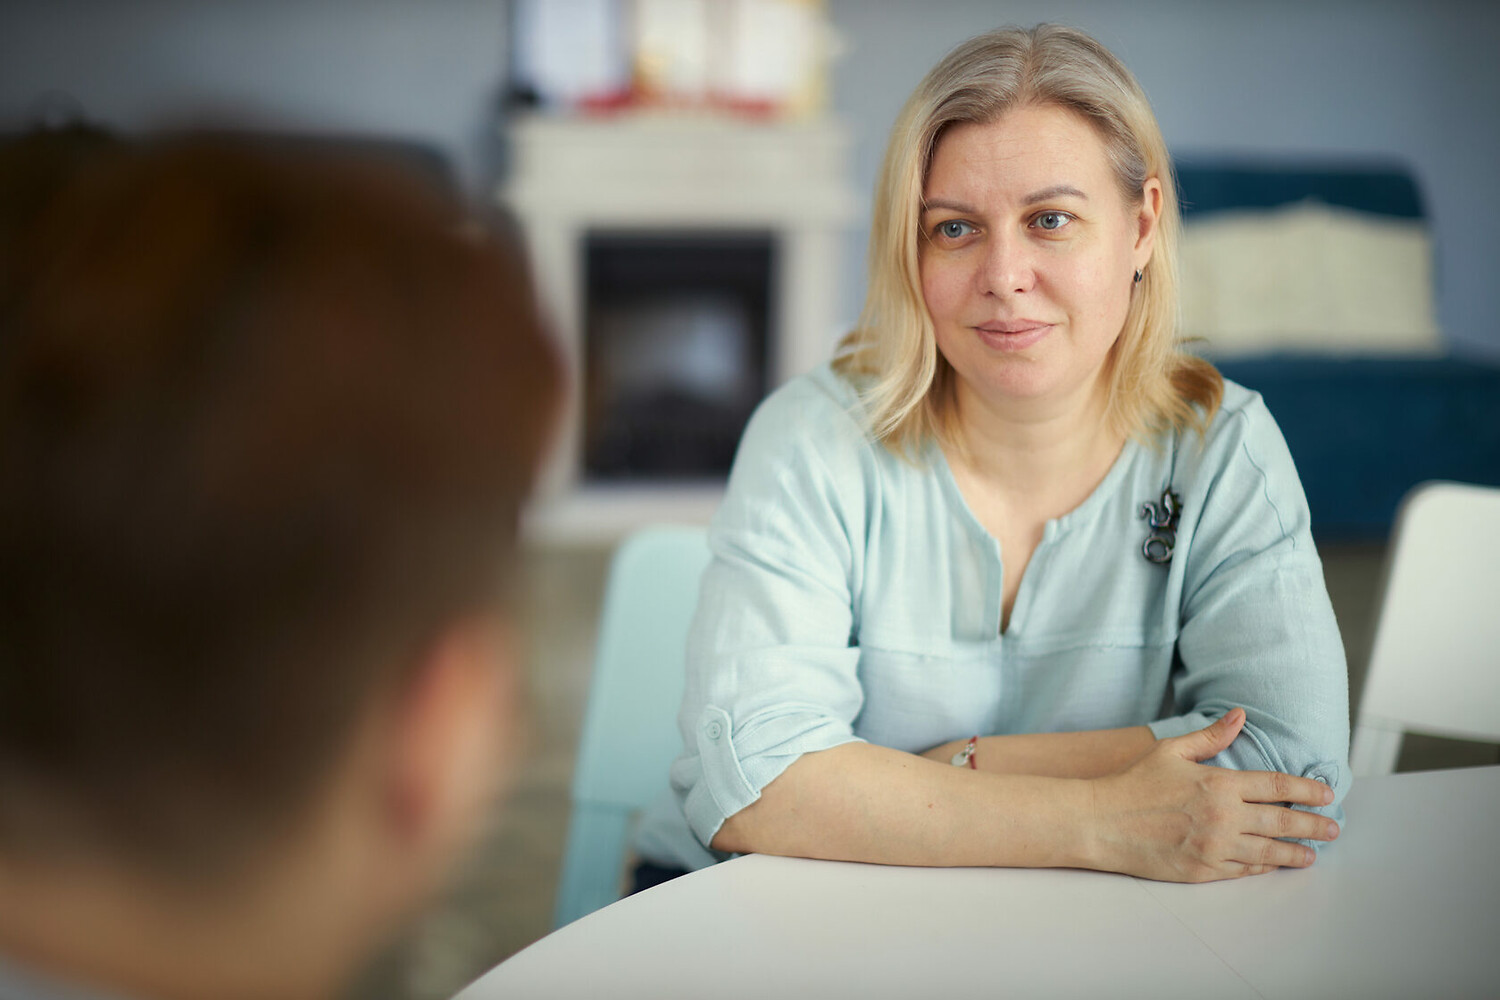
[{"x": 1435, "y": 663}]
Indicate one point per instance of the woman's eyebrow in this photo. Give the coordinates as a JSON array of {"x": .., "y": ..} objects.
[
  {"x": 1056, "y": 191},
  {"x": 1045, "y": 194},
  {"x": 933, "y": 204}
]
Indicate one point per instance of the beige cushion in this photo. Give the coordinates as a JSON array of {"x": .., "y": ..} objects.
[{"x": 1310, "y": 278}]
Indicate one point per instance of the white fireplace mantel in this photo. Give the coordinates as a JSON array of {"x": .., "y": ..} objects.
[{"x": 642, "y": 173}]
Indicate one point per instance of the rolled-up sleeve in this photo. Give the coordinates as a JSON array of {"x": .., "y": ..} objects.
[
  {"x": 1257, "y": 628},
  {"x": 772, "y": 672}
]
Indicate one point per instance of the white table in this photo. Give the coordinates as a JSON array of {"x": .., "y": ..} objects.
[{"x": 1406, "y": 904}]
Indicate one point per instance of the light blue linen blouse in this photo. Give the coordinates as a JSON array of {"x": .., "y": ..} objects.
[{"x": 853, "y": 595}]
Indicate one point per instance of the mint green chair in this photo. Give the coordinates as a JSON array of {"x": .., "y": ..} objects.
[{"x": 630, "y": 726}]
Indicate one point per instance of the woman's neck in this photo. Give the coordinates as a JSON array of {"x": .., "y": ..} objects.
[{"x": 1036, "y": 453}]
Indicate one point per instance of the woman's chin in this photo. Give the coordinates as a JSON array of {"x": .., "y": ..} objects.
[
  {"x": 1016, "y": 385},
  {"x": 1016, "y": 380}
]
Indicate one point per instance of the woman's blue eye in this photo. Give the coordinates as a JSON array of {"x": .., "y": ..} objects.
[
  {"x": 953, "y": 229},
  {"x": 1052, "y": 220}
]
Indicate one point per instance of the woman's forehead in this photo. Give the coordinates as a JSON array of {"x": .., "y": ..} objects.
[{"x": 1025, "y": 152}]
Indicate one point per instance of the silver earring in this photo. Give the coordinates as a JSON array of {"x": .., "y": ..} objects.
[{"x": 1137, "y": 277}]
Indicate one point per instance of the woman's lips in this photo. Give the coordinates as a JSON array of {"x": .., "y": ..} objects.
[{"x": 1015, "y": 335}]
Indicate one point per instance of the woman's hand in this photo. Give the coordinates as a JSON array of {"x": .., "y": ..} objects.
[{"x": 1168, "y": 817}]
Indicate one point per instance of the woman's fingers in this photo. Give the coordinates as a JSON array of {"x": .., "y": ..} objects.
[
  {"x": 1211, "y": 739},
  {"x": 1259, "y": 786},
  {"x": 1279, "y": 821},
  {"x": 1273, "y": 786},
  {"x": 1264, "y": 853}
]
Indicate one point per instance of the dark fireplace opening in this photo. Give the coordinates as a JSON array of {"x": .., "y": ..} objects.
[{"x": 676, "y": 350}]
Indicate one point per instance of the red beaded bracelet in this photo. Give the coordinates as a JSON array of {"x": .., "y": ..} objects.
[{"x": 966, "y": 755}]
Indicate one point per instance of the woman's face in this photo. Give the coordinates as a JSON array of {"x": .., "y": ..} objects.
[{"x": 1028, "y": 256}]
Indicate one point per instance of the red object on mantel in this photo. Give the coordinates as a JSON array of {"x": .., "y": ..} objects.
[
  {"x": 633, "y": 99},
  {"x": 609, "y": 102}
]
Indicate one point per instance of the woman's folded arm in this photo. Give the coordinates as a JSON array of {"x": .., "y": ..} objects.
[{"x": 1164, "y": 817}]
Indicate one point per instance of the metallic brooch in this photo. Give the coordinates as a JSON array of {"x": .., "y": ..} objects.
[{"x": 1162, "y": 516}]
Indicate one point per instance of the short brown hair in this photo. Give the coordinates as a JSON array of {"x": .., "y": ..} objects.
[
  {"x": 267, "y": 422},
  {"x": 1151, "y": 383}
]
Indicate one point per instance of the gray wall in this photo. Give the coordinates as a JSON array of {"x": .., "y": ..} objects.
[
  {"x": 1417, "y": 81},
  {"x": 1414, "y": 81},
  {"x": 424, "y": 69}
]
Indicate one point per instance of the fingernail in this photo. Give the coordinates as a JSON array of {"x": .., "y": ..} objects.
[
  {"x": 1327, "y": 795},
  {"x": 1308, "y": 856},
  {"x": 1333, "y": 830}
]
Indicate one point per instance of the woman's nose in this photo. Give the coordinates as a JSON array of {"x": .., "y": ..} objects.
[{"x": 1007, "y": 267}]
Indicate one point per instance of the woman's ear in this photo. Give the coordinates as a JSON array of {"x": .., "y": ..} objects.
[
  {"x": 1147, "y": 216},
  {"x": 453, "y": 737}
]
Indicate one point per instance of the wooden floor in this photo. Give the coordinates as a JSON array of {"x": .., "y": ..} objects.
[{"x": 502, "y": 900}]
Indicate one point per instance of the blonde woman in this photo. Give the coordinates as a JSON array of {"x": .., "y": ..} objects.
[{"x": 1013, "y": 581}]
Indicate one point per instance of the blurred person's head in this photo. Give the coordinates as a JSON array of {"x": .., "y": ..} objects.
[
  {"x": 1148, "y": 382},
  {"x": 35, "y": 166},
  {"x": 266, "y": 427}
]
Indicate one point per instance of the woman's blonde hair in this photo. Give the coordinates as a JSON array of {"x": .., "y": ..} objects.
[{"x": 906, "y": 383}]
